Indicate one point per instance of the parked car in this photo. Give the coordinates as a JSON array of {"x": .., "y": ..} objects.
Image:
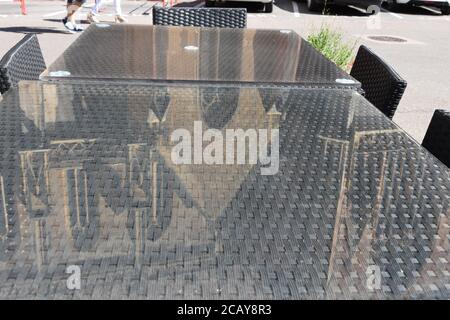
[
  {"x": 444, "y": 5},
  {"x": 268, "y": 4},
  {"x": 318, "y": 5}
]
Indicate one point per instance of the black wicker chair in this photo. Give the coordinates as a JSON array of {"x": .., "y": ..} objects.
[
  {"x": 23, "y": 62},
  {"x": 437, "y": 138},
  {"x": 382, "y": 85},
  {"x": 200, "y": 17}
]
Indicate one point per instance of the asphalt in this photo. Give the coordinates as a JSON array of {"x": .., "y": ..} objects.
[{"x": 422, "y": 59}]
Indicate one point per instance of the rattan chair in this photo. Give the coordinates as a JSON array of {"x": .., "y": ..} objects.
[
  {"x": 23, "y": 62},
  {"x": 200, "y": 17},
  {"x": 382, "y": 85},
  {"x": 437, "y": 138}
]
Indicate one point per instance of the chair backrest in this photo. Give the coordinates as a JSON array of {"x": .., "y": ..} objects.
[
  {"x": 23, "y": 62},
  {"x": 382, "y": 85},
  {"x": 437, "y": 138},
  {"x": 200, "y": 17}
]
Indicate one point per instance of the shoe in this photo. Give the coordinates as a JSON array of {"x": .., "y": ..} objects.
[
  {"x": 120, "y": 19},
  {"x": 92, "y": 18},
  {"x": 68, "y": 25},
  {"x": 78, "y": 28}
]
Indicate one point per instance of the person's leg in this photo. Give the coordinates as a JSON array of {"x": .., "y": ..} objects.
[
  {"x": 72, "y": 7},
  {"x": 92, "y": 15},
  {"x": 118, "y": 7},
  {"x": 97, "y": 6},
  {"x": 118, "y": 10}
]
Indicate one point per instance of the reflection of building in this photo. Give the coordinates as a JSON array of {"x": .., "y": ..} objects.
[
  {"x": 35, "y": 185},
  {"x": 99, "y": 179},
  {"x": 377, "y": 221},
  {"x": 355, "y": 228},
  {"x": 91, "y": 181}
]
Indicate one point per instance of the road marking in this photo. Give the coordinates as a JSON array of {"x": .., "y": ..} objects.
[
  {"x": 357, "y": 9},
  {"x": 392, "y": 13},
  {"x": 52, "y": 14},
  {"x": 198, "y": 5},
  {"x": 430, "y": 9},
  {"x": 295, "y": 7},
  {"x": 138, "y": 7}
]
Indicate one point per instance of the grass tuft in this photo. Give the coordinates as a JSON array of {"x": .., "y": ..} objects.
[{"x": 329, "y": 42}]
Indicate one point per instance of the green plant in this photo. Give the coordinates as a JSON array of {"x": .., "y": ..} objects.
[{"x": 329, "y": 42}]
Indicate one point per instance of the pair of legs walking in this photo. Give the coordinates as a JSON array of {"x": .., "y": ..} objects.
[
  {"x": 117, "y": 7},
  {"x": 92, "y": 16},
  {"x": 69, "y": 21},
  {"x": 74, "y": 5}
]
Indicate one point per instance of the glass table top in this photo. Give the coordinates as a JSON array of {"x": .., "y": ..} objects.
[
  {"x": 215, "y": 192},
  {"x": 143, "y": 52}
]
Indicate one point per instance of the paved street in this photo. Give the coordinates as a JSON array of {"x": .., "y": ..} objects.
[{"x": 422, "y": 59}]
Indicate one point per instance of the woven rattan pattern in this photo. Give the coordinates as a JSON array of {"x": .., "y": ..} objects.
[
  {"x": 382, "y": 85},
  {"x": 437, "y": 137},
  {"x": 200, "y": 17},
  {"x": 87, "y": 179},
  {"x": 23, "y": 62},
  {"x": 140, "y": 52}
]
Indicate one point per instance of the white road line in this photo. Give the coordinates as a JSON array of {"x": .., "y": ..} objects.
[
  {"x": 357, "y": 9},
  {"x": 52, "y": 14},
  {"x": 430, "y": 9},
  {"x": 198, "y": 5},
  {"x": 295, "y": 7},
  {"x": 392, "y": 13}
]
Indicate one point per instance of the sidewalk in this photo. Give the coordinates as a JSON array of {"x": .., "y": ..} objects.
[{"x": 44, "y": 18}]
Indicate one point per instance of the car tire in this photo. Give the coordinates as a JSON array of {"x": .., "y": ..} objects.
[
  {"x": 268, "y": 7},
  {"x": 445, "y": 10},
  {"x": 314, "y": 5}
]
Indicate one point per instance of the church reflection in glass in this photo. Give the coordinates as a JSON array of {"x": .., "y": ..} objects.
[{"x": 99, "y": 184}]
